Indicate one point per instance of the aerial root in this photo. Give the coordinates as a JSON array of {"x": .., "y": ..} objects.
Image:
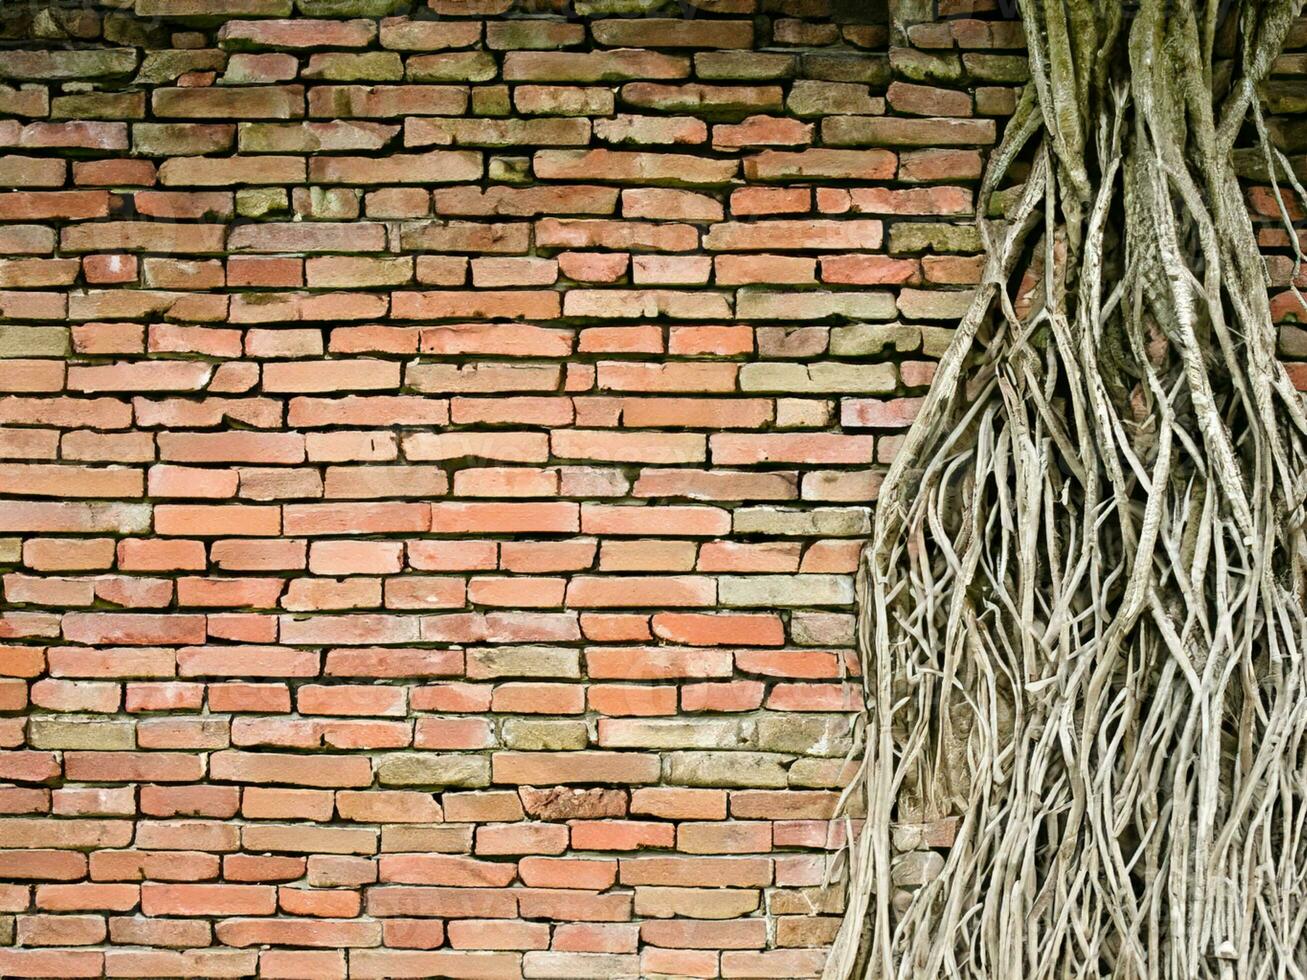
[{"x": 1082, "y": 621}]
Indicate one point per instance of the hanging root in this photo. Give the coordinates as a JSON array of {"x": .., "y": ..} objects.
[{"x": 1082, "y": 607}]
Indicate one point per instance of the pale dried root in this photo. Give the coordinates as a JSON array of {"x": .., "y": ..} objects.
[{"x": 1082, "y": 607}]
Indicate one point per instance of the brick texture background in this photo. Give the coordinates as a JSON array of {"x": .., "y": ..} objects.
[{"x": 435, "y": 444}]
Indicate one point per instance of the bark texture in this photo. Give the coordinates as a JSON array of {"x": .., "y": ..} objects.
[{"x": 1082, "y": 619}]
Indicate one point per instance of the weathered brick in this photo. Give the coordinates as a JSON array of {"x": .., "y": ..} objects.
[
  {"x": 814, "y": 98},
  {"x": 433, "y": 770},
  {"x": 655, "y": 32},
  {"x": 894, "y": 131},
  {"x": 310, "y": 137},
  {"x": 438, "y": 447},
  {"x": 715, "y": 101},
  {"x": 25, "y": 171},
  {"x": 744, "y": 65},
  {"x": 741, "y": 768},
  {"x": 646, "y": 130},
  {"x": 821, "y": 164},
  {"x": 925, "y": 100},
  {"x": 574, "y": 767},
  {"x": 295, "y": 33},
  {"x": 69, "y": 64},
  {"x": 662, "y": 168},
  {"x": 907, "y": 238},
  {"x": 384, "y": 101},
  {"x": 595, "y": 66},
  {"x": 262, "y": 102},
  {"x": 438, "y": 166},
  {"x": 814, "y": 306},
  {"x": 496, "y": 132},
  {"x": 525, "y": 201},
  {"x": 783, "y": 235}
]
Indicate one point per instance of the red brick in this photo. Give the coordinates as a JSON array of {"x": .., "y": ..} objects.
[
  {"x": 498, "y": 934},
  {"x": 80, "y": 897},
  {"x": 665, "y": 591},
  {"x": 28, "y": 766},
  {"x": 336, "y": 933},
  {"x": 732, "y": 449},
  {"x": 742, "y": 872},
  {"x": 51, "y": 963},
  {"x": 136, "y": 628},
  {"x": 216, "y": 520},
  {"x": 49, "y": 865},
  {"x": 46, "y": 205},
  {"x": 570, "y": 905},
  {"x": 521, "y": 838},
  {"x": 168, "y": 899},
  {"x": 288, "y": 963},
  {"x": 718, "y": 630},
  {"x": 592, "y": 266},
  {"x": 356, "y": 518},
  {"x": 672, "y": 520},
  {"x": 504, "y": 518},
  {"x": 628, "y": 167},
  {"x": 893, "y": 413},
  {"x": 939, "y": 164},
  {"x": 774, "y": 963}
]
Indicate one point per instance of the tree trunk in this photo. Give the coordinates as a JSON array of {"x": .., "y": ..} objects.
[{"x": 1082, "y": 607}]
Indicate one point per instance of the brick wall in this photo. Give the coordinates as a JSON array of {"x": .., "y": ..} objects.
[{"x": 435, "y": 445}]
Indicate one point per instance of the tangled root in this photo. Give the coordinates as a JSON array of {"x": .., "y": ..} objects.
[{"x": 1082, "y": 607}]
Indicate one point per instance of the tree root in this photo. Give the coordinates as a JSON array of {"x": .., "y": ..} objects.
[{"x": 1082, "y": 624}]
